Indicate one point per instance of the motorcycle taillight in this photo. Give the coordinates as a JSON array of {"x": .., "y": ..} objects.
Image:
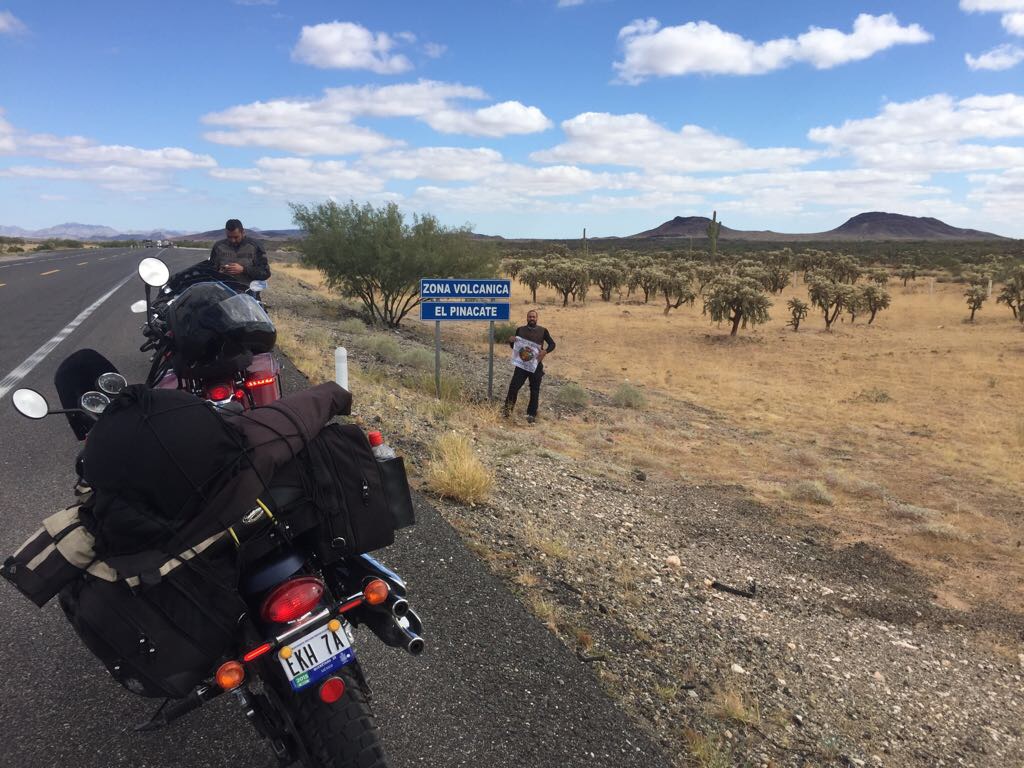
[
  {"x": 218, "y": 392},
  {"x": 292, "y": 599},
  {"x": 262, "y": 381}
]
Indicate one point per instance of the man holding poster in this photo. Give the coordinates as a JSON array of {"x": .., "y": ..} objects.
[{"x": 530, "y": 345}]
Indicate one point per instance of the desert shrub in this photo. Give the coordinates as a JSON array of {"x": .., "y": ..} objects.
[
  {"x": 572, "y": 396},
  {"x": 451, "y": 388},
  {"x": 502, "y": 332},
  {"x": 383, "y": 347},
  {"x": 417, "y": 357},
  {"x": 812, "y": 491},
  {"x": 943, "y": 531},
  {"x": 911, "y": 512},
  {"x": 854, "y": 486},
  {"x": 456, "y": 472},
  {"x": 873, "y": 395},
  {"x": 351, "y": 325},
  {"x": 628, "y": 396}
]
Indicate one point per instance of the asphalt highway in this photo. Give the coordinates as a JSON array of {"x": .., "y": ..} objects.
[{"x": 493, "y": 687}]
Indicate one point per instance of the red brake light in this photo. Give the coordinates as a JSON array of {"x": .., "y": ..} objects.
[
  {"x": 219, "y": 392},
  {"x": 261, "y": 382},
  {"x": 292, "y": 599}
]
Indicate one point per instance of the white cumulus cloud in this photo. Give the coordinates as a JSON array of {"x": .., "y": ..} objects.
[
  {"x": 11, "y": 24},
  {"x": 345, "y": 45},
  {"x": 325, "y": 125},
  {"x": 650, "y": 50},
  {"x": 286, "y": 176},
  {"x": 508, "y": 117},
  {"x": 999, "y": 58},
  {"x": 934, "y": 134},
  {"x": 599, "y": 138},
  {"x": 1014, "y": 23},
  {"x": 984, "y": 6}
]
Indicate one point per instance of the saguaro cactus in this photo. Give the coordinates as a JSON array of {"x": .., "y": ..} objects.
[{"x": 714, "y": 228}]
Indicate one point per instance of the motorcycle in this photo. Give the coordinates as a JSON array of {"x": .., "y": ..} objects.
[
  {"x": 209, "y": 335},
  {"x": 291, "y": 664}
]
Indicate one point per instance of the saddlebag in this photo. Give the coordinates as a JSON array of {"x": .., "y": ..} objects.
[
  {"x": 161, "y": 633},
  {"x": 336, "y": 496}
]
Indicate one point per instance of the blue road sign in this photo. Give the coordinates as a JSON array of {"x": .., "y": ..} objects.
[
  {"x": 433, "y": 288},
  {"x": 464, "y": 310}
]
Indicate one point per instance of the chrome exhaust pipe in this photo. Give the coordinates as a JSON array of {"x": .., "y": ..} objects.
[
  {"x": 399, "y": 607},
  {"x": 408, "y": 626}
]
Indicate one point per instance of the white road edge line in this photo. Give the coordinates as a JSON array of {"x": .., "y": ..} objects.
[{"x": 12, "y": 378}]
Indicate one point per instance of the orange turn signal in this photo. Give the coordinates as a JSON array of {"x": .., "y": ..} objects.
[
  {"x": 230, "y": 675},
  {"x": 376, "y": 591}
]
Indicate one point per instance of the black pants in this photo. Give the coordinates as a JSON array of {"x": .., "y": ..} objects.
[{"x": 519, "y": 377}]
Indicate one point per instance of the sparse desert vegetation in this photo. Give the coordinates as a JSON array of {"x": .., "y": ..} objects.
[{"x": 866, "y": 473}]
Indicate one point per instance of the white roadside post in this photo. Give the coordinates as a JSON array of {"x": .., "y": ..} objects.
[{"x": 341, "y": 367}]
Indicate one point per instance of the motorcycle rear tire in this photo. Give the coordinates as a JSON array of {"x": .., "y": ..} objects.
[{"x": 339, "y": 735}]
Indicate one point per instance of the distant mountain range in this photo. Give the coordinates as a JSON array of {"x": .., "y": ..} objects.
[
  {"x": 75, "y": 231},
  {"x": 864, "y": 226}
]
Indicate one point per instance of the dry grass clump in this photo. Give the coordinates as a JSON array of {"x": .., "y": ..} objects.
[
  {"x": 812, "y": 491},
  {"x": 456, "y": 472},
  {"x": 873, "y": 395},
  {"x": 572, "y": 396},
  {"x": 706, "y": 752},
  {"x": 416, "y": 357},
  {"x": 451, "y": 388},
  {"x": 913, "y": 512},
  {"x": 731, "y": 704},
  {"x": 853, "y": 486},
  {"x": 942, "y": 531},
  {"x": 382, "y": 347},
  {"x": 351, "y": 325},
  {"x": 628, "y": 396}
]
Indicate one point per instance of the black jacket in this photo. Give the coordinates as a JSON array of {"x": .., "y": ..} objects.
[{"x": 249, "y": 253}]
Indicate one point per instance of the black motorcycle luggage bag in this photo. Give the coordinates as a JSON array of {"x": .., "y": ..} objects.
[
  {"x": 161, "y": 634},
  {"x": 337, "y": 495}
]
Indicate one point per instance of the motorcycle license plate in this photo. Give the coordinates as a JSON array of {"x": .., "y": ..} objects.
[{"x": 315, "y": 656}]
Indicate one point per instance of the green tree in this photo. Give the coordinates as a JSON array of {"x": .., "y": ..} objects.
[
  {"x": 797, "y": 312},
  {"x": 976, "y": 296},
  {"x": 737, "y": 299},
  {"x": 372, "y": 254},
  {"x": 880, "y": 277},
  {"x": 512, "y": 267}
]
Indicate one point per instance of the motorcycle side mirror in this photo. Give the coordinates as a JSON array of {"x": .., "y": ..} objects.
[
  {"x": 138, "y": 307},
  {"x": 258, "y": 285},
  {"x": 154, "y": 272},
  {"x": 30, "y": 403},
  {"x": 112, "y": 383}
]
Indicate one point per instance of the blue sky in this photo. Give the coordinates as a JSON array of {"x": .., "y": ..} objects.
[{"x": 519, "y": 117}]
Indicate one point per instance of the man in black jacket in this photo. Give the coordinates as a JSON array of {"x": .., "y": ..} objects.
[
  {"x": 539, "y": 335},
  {"x": 239, "y": 256}
]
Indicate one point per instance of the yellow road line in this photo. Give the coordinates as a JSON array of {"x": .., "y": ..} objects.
[
  {"x": 2, "y": 285},
  {"x": 82, "y": 263},
  {"x": 43, "y": 274}
]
